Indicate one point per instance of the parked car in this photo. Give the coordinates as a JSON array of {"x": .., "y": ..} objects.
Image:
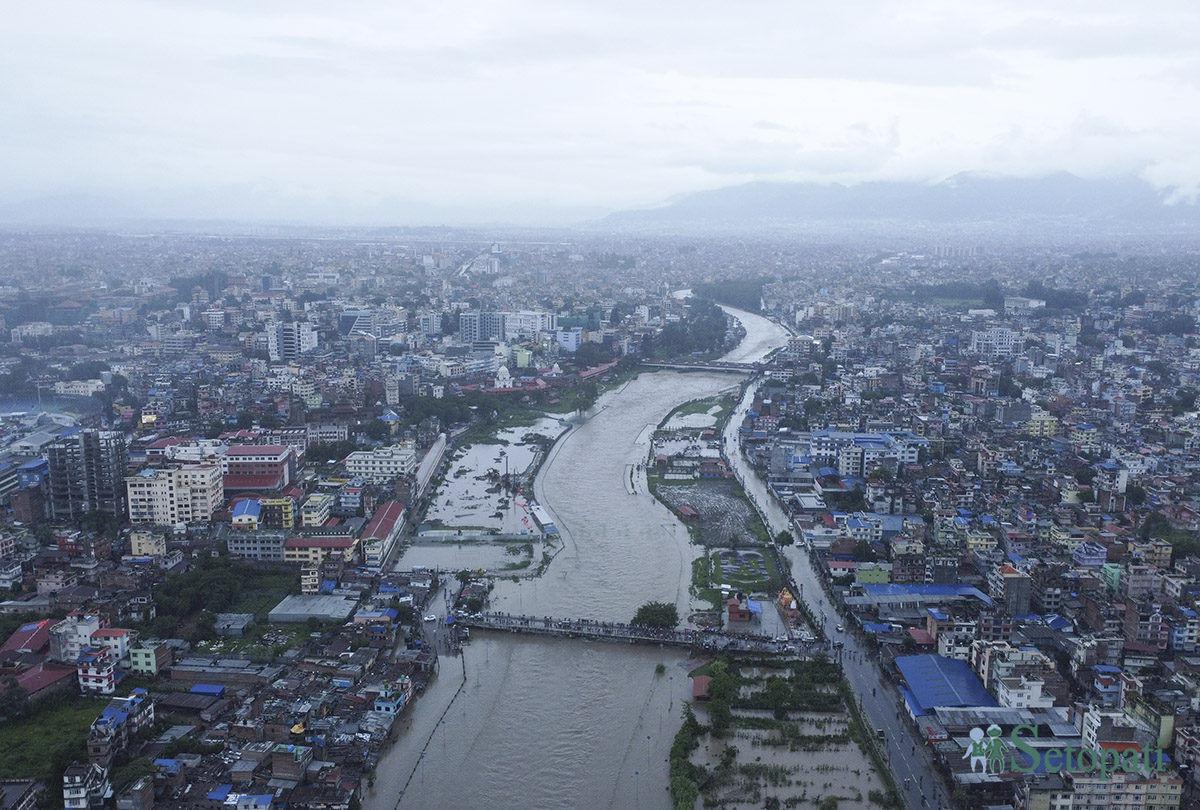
[{"x": 430, "y": 617}]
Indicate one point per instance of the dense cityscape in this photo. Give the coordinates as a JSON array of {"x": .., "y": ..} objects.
[{"x": 904, "y": 521}]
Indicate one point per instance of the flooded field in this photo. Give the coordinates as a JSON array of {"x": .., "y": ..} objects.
[
  {"x": 493, "y": 557},
  {"x": 780, "y": 736},
  {"x": 472, "y": 497}
]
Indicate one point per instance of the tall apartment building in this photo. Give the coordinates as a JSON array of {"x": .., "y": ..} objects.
[
  {"x": 87, "y": 474},
  {"x": 473, "y": 326},
  {"x": 289, "y": 340},
  {"x": 186, "y": 494}
]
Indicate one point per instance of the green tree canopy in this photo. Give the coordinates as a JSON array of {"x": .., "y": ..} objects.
[{"x": 657, "y": 614}]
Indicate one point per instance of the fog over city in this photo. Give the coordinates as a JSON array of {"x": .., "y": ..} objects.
[{"x": 553, "y": 113}]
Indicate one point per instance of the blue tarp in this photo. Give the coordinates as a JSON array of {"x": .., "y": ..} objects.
[{"x": 937, "y": 681}]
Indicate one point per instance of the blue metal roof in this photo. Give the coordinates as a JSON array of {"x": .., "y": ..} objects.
[
  {"x": 937, "y": 681},
  {"x": 249, "y": 507},
  {"x": 894, "y": 589}
]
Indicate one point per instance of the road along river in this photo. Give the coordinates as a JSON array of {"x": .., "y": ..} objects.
[{"x": 540, "y": 723}]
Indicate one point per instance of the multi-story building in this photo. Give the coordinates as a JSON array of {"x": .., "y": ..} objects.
[
  {"x": 277, "y": 513},
  {"x": 186, "y": 494},
  {"x": 70, "y": 636},
  {"x": 381, "y": 535},
  {"x": 143, "y": 543},
  {"x": 1023, "y": 692},
  {"x": 87, "y": 474},
  {"x": 383, "y": 463},
  {"x": 85, "y": 786},
  {"x": 996, "y": 342},
  {"x": 527, "y": 324},
  {"x": 288, "y": 340},
  {"x": 260, "y": 467},
  {"x": 150, "y": 657},
  {"x": 96, "y": 668},
  {"x": 1011, "y": 589},
  {"x": 1145, "y": 624},
  {"x": 314, "y": 550},
  {"x": 316, "y": 510},
  {"x": 256, "y": 545}
]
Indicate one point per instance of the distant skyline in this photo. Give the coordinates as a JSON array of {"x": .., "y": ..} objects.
[{"x": 550, "y": 111}]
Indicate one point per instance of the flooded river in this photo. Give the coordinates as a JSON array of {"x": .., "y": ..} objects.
[{"x": 541, "y": 723}]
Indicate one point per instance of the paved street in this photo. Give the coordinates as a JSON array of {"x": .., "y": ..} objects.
[{"x": 909, "y": 757}]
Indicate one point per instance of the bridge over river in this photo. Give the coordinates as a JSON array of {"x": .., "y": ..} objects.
[
  {"x": 713, "y": 365},
  {"x": 716, "y": 641}
]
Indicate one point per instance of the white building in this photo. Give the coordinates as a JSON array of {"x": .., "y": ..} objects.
[
  {"x": 995, "y": 342},
  {"x": 187, "y": 494},
  {"x": 1023, "y": 692},
  {"x": 527, "y": 324},
  {"x": 287, "y": 341},
  {"x": 26, "y": 331},
  {"x": 79, "y": 388},
  {"x": 70, "y": 636},
  {"x": 383, "y": 463}
]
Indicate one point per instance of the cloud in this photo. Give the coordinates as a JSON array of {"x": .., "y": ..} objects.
[{"x": 586, "y": 104}]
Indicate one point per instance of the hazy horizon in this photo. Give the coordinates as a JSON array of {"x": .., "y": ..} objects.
[{"x": 536, "y": 112}]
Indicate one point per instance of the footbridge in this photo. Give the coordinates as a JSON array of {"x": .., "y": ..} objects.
[
  {"x": 714, "y": 365},
  {"x": 716, "y": 641}
]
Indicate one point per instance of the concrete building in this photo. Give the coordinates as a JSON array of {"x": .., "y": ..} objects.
[
  {"x": 70, "y": 636},
  {"x": 287, "y": 341},
  {"x": 382, "y": 464},
  {"x": 186, "y": 494},
  {"x": 315, "y": 511},
  {"x": 87, "y": 474}
]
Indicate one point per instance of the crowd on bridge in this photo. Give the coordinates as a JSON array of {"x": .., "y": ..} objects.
[{"x": 707, "y": 639}]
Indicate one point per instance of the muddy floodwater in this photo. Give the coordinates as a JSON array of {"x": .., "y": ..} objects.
[{"x": 543, "y": 723}]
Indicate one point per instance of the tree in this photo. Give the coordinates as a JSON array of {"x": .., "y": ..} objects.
[
  {"x": 662, "y": 615},
  {"x": 784, "y": 538},
  {"x": 864, "y": 552},
  {"x": 463, "y": 576},
  {"x": 779, "y": 694}
]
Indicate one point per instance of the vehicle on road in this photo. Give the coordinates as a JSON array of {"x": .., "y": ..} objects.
[
  {"x": 431, "y": 617},
  {"x": 841, "y": 629}
]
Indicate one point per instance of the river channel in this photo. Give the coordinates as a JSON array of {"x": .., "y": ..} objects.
[{"x": 541, "y": 723}]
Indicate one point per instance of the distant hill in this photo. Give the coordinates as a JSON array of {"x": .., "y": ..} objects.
[{"x": 966, "y": 197}]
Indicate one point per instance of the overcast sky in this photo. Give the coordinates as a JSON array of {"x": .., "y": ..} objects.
[{"x": 500, "y": 105}]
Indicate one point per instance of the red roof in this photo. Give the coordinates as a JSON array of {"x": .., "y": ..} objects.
[
  {"x": 169, "y": 441},
  {"x": 384, "y": 522},
  {"x": 110, "y": 632},
  {"x": 42, "y": 677},
  {"x": 920, "y": 636},
  {"x": 34, "y": 637},
  {"x": 248, "y": 481},
  {"x": 700, "y": 685}
]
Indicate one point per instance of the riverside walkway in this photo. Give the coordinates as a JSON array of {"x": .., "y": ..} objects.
[{"x": 713, "y": 640}]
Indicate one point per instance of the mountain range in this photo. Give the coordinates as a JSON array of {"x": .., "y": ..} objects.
[{"x": 967, "y": 197}]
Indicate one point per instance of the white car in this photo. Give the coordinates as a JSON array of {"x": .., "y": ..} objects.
[{"x": 430, "y": 617}]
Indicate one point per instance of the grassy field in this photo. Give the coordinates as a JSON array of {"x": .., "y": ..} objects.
[
  {"x": 720, "y": 401},
  {"x": 40, "y": 745},
  {"x": 269, "y": 589}
]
